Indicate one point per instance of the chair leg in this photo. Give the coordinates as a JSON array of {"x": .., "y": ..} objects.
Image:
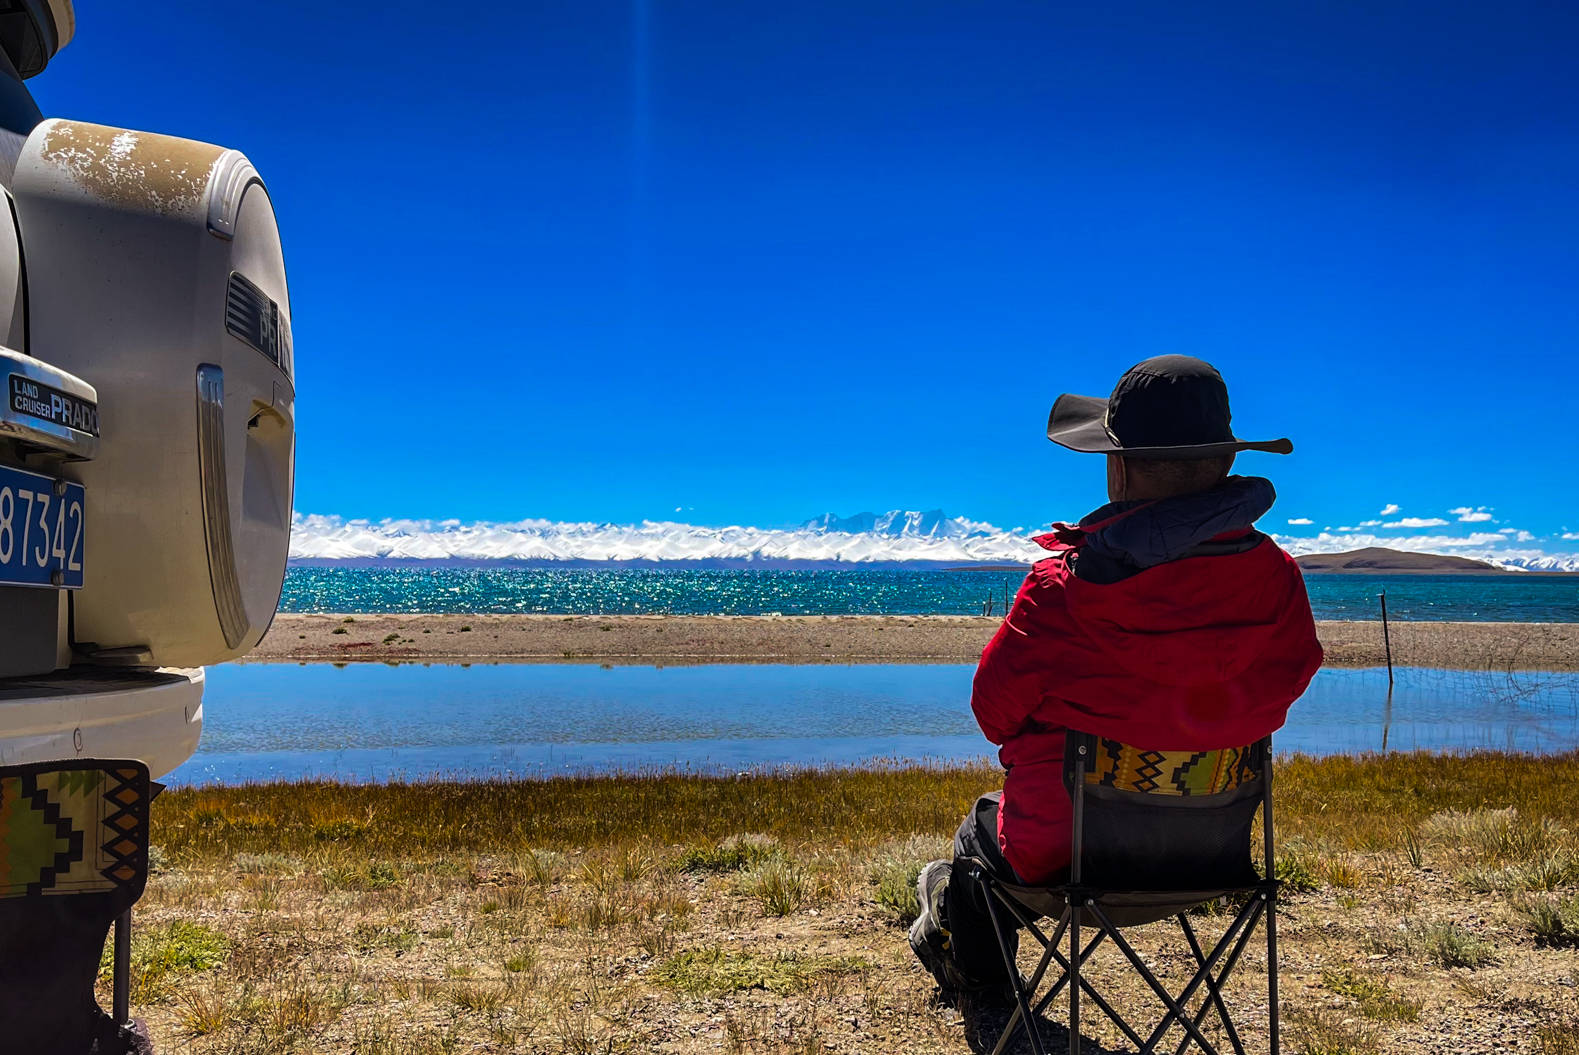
[
  {"x": 1090, "y": 991},
  {"x": 1230, "y": 962},
  {"x": 1024, "y": 1008},
  {"x": 1074, "y": 978},
  {"x": 1175, "y": 1007},
  {"x": 1213, "y": 991},
  {"x": 1271, "y": 967},
  {"x": 121, "y": 985},
  {"x": 1030, "y": 988}
]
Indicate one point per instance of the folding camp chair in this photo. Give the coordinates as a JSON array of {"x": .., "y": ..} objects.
[
  {"x": 1155, "y": 834},
  {"x": 73, "y": 860}
]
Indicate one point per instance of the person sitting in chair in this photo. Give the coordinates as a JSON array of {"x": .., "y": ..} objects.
[{"x": 1163, "y": 620}]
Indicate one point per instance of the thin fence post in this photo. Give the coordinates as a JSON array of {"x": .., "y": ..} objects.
[{"x": 1387, "y": 640}]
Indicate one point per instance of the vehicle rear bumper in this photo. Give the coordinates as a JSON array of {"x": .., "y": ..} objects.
[{"x": 155, "y": 716}]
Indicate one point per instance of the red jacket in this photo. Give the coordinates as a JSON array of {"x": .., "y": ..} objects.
[{"x": 1197, "y": 653}]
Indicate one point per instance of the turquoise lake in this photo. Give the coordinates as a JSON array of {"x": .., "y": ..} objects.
[
  {"x": 376, "y": 722},
  {"x": 616, "y": 591}
]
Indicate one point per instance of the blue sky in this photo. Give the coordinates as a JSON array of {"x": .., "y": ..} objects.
[{"x": 748, "y": 263}]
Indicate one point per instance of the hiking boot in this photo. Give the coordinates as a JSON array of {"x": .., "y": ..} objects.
[{"x": 929, "y": 938}]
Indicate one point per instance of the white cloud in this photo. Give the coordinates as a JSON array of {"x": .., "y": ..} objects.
[
  {"x": 1301, "y": 521},
  {"x": 1505, "y": 531},
  {"x": 1467, "y": 515},
  {"x": 1389, "y": 509},
  {"x": 1416, "y": 522},
  {"x": 1571, "y": 536},
  {"x": 1524, "y": 536}
]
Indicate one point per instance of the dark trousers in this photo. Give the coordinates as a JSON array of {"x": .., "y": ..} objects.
[{"x": 971, "y": 938}]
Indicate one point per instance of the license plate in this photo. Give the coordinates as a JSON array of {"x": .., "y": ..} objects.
[{"x": 40, "y": 530}]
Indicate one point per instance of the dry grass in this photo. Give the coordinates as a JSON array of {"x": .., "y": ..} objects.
[{"x": 761, "y": 914}]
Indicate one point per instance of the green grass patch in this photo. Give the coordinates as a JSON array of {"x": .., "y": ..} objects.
[
  {"x": 1547, "y": 872},
  {"x": 894, "y": 870},
  {"x": 735, "y": 854},
  {"x": 163, "y": 952},
  {"x": 1375, "y": 998},
  {"x": 714, "y": 972},
  {"x": 370, "y": 937}
]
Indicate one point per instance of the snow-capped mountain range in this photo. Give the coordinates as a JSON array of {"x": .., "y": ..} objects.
[
  {"x": 870, "y": 539},
  {"x": 889, "y": 538}
]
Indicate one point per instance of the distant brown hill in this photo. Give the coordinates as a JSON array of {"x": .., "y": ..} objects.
[{"x": 1379, "y": 559}]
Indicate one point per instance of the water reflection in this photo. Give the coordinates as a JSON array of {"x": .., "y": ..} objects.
[{"x": 376, "y": 722}]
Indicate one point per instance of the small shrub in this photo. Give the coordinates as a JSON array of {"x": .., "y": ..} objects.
[
  {"x": 779, "y": 885},
  {"x": 266, "y": 864},
  {"x": 1498, "y": 835},
  {"x": 1412, "y": 849},
  {"x": 339, "y": 630},
  {"x": 1560, "y": 1038},
  {"x": 1322, "y": 1031},
  {"x": 1340, "y": 873},
  {"x": 375, "y": 876},
  {"x": 1295, "y": 873},
  {"x": 1450, "y": 945},
  {"x": 896, "y": 890},
  {"x": 466, "y": 629},
  {"x": 390, "y": 639},
  {"x": 543, "y": 867},
  {"x": 1553, "y": 921},
  {"x": 522, "y": 961}
]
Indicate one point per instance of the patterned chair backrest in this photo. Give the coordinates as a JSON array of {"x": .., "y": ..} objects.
[
  {"x": 1165, "y": 820},
  {"x": 73, "y": 857},
  {"x": 73, "y": 828},
  {"x": 1184, "y": 773}
]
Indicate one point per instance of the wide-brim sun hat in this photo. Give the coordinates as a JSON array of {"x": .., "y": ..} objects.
[{"x": 1172, "y": 407}]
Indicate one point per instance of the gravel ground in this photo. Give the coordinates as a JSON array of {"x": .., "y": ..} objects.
[{"x": 837, "y": 639}]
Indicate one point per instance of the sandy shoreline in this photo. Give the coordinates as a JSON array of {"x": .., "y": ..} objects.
[{"x": 668, "y": 639}]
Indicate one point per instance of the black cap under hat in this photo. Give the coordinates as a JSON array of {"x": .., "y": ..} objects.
[{"x": 1170, "y": 407}]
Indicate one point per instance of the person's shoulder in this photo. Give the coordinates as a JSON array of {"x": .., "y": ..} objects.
[
  {"x": 1272, "y": 553},
  {"x": 1048, "y": 580}
]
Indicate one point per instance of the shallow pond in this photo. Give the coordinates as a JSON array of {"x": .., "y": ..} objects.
[{"x": 374, "y": 722}]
